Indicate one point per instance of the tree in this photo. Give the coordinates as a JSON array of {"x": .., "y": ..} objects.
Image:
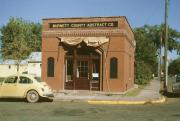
[
  {"x": 34, "y": 37},
  {"x": 19, "y": 38},
  {"x": 154, "y": 32},
  {"x": 147, "y": 47},
  {"x": 174, "y": 67},
  {"x": 145, "y": 57}
]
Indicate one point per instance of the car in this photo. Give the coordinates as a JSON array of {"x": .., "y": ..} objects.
[
  {"x": 25, "y": 86},
  {"x": 176, "y": 85},
  {"x": 178, "y": 78}
]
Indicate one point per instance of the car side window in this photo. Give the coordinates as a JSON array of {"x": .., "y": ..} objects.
[
  {"x": 178, "y": 78},
  {"x": 11, "y": 80},
  {"x": 25, "y": 80}
]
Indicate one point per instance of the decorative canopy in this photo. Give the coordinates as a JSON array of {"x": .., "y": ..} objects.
[{"x": 90, "y": 41}]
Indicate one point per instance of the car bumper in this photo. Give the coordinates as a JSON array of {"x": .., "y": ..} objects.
[{"x": 48, "y": 95}]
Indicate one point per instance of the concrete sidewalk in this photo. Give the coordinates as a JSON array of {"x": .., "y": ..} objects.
[{"x": 150, "y": 94}]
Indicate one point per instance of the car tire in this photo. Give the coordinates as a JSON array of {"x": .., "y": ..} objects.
[{"x": 32, "y": 96}]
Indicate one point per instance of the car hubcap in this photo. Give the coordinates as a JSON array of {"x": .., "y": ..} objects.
[{"x": 32, "y": 96}]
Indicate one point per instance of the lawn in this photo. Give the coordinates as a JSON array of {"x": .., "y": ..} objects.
[
  {"x": 134, "y": 92},
  {"x": 81, "y": 111}
]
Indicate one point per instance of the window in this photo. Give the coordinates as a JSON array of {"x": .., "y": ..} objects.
[
  {"x": 50, "y": 67},
  {"x": 25, "y": 80},
  {"x": 11, "y": 80},
  {"x": 82, "y": 70},
  {"x": 113, "y": 68}
]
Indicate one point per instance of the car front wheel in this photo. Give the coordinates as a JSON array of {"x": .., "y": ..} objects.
[{"x": 32, "y": 96}]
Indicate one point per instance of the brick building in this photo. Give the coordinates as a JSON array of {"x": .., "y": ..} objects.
[{"x": 94, "y": 53}]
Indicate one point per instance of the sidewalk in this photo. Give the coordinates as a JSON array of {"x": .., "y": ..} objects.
[{"x": 150, "y": 94}]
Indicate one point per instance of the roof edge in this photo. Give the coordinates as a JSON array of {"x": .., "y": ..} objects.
[{"x": 85, "y": 17}]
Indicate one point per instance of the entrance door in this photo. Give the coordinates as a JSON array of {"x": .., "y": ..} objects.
[
  {"x": 82, "y": 70},
  {"x": 82, "y": 81}
]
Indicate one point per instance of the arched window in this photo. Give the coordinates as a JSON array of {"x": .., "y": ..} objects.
[
  {"x": 50, "y": 67},
  {"x": 113, "y": 68}
]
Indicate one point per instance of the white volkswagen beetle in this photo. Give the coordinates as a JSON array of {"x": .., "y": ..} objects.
[{"x": 26, "y": 86}]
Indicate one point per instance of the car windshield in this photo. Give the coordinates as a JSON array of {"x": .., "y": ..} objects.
[{"x": 38, "y": 79}]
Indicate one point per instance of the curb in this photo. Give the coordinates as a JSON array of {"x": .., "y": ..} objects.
[
  {"x": 158, "y": 101},
  {"x": 161, "y": 100}
]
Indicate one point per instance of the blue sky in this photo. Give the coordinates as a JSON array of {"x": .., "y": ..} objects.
[{"x": 138, "y": 12}]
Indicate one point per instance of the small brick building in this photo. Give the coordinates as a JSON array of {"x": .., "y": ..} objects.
[{"x": 94, "y": 53}]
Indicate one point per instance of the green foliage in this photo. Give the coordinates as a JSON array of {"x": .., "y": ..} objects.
[
  {"x": 145, "y": 57},
  {"x": 154, "y": 33},
  {"x": 19, "y": 38},
  {"x": 147, "y": 46},
  {"x": 143, "y": 73},
  {"x": 174, "y": 67},
  {"x": 34, "y": 36}
]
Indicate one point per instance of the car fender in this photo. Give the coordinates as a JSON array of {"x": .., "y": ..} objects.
[{"x": 35, "y": 89}]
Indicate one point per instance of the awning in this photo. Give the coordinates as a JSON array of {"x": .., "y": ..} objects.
[{"x": 90, "y": 41}]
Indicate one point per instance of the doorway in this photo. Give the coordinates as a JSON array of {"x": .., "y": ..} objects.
[{"x": 82, "y": 69}]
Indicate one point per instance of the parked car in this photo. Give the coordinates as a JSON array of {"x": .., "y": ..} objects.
[
  {"x": 178, "y": 78},
  {"x": 25, "y": 86},
  {"x": 176, "y": 85}
]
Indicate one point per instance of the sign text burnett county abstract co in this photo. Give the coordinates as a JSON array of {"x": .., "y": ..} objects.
[{"x": 84, "y": 24}]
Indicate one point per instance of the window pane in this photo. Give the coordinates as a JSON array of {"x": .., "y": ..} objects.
[
  {"x": 50, "y": 67},
  {"x": 25, "y": 80},
  {"x": 11, "y": 80},
  {"x": 113, "y": 68},
  {"x": 82, "y": 69}
]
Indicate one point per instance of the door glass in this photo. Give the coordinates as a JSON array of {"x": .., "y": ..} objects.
[
  {"x": 95, "y": 71},
  {"x": 11, "y": 80},
  {"x": 25, "y": 80},
  {"x": 82, "y": 69},
  {"x": 69, "y": 70}
]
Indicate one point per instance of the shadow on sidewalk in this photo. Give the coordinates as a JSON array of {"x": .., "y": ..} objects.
[{"x": 172, "y": 95}]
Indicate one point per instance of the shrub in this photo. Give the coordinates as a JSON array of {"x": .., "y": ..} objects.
[{"x": 143, "y": 73}]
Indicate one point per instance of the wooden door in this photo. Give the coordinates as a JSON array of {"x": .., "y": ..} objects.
[{"x": 83, "y": 73}]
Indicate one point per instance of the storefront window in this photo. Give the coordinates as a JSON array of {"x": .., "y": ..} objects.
[
  {"x": 50, "y": 67},
  {"x": 113, "y": 68}
]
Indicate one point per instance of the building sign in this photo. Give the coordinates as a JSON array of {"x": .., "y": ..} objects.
[{"x": 84, "y": 24}]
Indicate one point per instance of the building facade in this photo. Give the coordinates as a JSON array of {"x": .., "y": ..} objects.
[
  {"x": 34, "y": 64},
  {"x": 94, "y": 53},
  {"x": 9, "y": 67}
]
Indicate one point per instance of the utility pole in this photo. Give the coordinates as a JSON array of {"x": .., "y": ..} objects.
[
  {"x": 166, "y": 46},
  {"x": 160, "y": 66}
]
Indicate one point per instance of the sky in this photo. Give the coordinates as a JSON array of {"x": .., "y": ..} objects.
[{"x": 138, "y": 12}]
